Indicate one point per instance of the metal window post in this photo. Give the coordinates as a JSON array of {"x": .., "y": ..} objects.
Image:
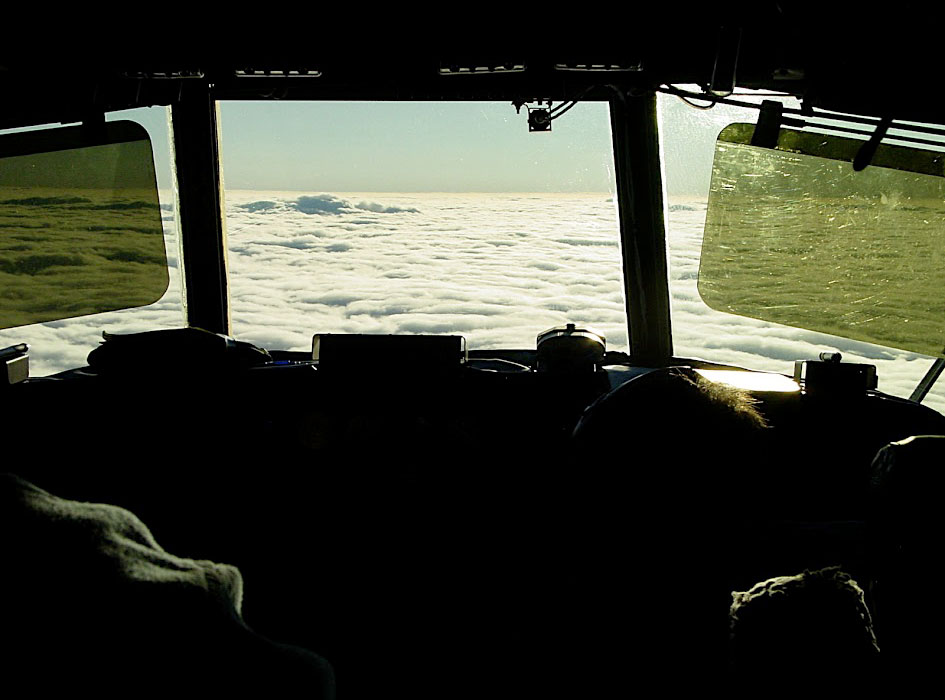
[
  {"x": 200, "y": 208},
  {"x": 642, "y": 230}
]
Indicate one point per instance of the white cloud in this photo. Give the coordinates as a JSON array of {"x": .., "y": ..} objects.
[
  {"x": 320, "y": 204},
  {"x": 497, "y": 268},
  {"x": 381, "y": 209}
]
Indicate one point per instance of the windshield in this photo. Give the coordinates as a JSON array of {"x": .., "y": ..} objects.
[
  {"x": 704, "y": 332},
  {"x": 447, "y": 218}
]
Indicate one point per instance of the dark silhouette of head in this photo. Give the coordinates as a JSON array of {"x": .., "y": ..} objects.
[
  {"x": 906, "y": 531},
  {"x": 811, "y": 630},
  {"x": 681, "y": 441},
  {"x": 694, "y": 402}
]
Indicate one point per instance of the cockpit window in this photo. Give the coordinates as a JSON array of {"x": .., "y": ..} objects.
[
  {"x": 81, "y": 219},
  {"x": 701, "y": 331},
  {"x": 795, "y": 235},
  {"x": 443, "y": 218},
  {"x": 116, "y": 227}
]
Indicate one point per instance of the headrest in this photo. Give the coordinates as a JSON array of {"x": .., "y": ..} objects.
[
  {"x": 907, "y": 484},
  {"x": 910, "y": 469}
]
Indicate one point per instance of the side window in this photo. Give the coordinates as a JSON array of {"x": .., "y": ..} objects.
[
  {"x": 88, "y": 244},
  {"x": 701, "y": 331}
]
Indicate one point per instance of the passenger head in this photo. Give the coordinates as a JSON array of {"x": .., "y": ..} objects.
[
  {"x": 673, "y": 430},
  {"x": 793, "y": 632}
]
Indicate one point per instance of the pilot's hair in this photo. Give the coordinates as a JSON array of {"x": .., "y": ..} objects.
[
  {"x": 729, "y": 403},
  {"x": 810, "y": 622},
  {"x": 665, "y": 399}
]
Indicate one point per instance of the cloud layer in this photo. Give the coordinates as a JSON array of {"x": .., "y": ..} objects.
[{"x": 498, "y": 269}]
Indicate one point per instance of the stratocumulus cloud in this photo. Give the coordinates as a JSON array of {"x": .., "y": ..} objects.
[
  {"x": 381, "y": 209},
  {"x": 498, "y": 269},
  {"x": 329, "y": 204},
  {"x": 320, "y": 204},
  {"x": 263, "y": 205}
]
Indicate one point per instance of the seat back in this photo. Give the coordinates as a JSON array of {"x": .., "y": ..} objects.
[{"x": 906, "y": 532}]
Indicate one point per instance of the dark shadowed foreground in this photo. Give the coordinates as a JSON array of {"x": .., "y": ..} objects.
[{"x": 95, "y": 604}]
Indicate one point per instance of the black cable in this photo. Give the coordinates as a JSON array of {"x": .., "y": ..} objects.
[
  {"x": 555, "y": 114},
  {"x": 761, "y": 93},
  {"x": 684, "y": 94},
  {"x": 692, "y": 104}
]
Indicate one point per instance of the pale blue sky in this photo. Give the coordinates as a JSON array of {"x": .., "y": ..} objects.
[
  {"x": 413, "y": 147},
  {"x": 437, "y": 147}
]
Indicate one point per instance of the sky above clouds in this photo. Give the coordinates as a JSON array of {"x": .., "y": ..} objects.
[
  {"x": 450, "y": 147},
  {"x": 413, "y": 147},
  {"x": 438, "y": 147}
]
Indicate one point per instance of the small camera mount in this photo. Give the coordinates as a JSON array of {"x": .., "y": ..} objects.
[{"x": 539, "y": 115}]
